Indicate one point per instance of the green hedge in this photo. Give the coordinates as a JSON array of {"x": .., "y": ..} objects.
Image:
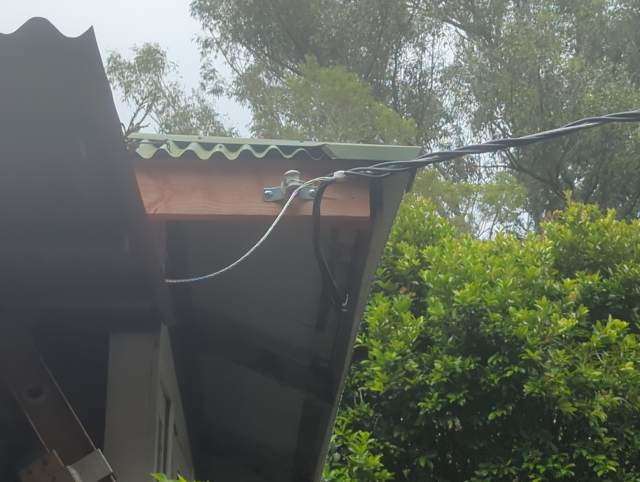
[{"x": 497, "y": 360}]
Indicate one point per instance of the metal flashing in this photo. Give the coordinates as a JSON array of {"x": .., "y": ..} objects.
[{"x": 177, "y": 146}]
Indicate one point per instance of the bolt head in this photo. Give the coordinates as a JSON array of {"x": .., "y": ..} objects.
[
  {"x": 312, "y": 192},
  {"x": 268, "y": 194}
]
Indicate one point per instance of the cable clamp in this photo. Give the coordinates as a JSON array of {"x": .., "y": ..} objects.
[
  {"x": 290, "y": 183},
  {"x": 340, "y": 175}
]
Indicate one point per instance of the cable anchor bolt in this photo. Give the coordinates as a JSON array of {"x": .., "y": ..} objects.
[{"x": 290, "y": 183}]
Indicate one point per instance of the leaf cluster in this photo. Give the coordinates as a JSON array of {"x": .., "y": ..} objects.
[
  {"x": 481, "y": 209},
  {"x": 327, "y": 104},
  {"x": 507, "y": 359},
  {"x": 164, "y": 478},
  {"x": 150, "y": 84},
  {"x": 387, "y": 44},
  {"x": 463, "y": 71},
  {"x": 533, "y": 65}
]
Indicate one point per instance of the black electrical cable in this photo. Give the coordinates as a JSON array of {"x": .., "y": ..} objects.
[
  {"x": 327, "y": 278},
  {"x": 385, "y": 169}
]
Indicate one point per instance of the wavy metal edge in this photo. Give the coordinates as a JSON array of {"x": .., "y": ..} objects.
[
  {"x": 42, "y": 26},
  {"x": 175, "y": 146},
  {"x": 148, "y": 150}
]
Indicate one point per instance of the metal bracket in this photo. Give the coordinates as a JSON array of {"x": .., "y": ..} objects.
[
  {"x": 92, "y": 468},
  {"x": 289, "y": 184},
  {"x": 49, "y": 468}
]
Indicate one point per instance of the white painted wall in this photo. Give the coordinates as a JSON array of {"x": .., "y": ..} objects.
[{"x": 145, "y": 425}]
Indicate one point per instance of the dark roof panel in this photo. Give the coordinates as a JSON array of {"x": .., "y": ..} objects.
[{"x": 73, "y": 224}]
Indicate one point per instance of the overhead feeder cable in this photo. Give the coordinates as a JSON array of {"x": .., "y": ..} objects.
[{"x": 385, "y": 169}]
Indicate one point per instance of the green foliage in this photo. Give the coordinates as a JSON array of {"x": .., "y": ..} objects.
[
  {"x": 465, "y": 71},
  {"x": 480, "y": 209},
  {"x": 149, "y": 83},
  {"x": 497, "y": 360},
  {"x": 352, "y": 457},
  {"x": 327, "y": 104},
  {"x": 527, "y": 66},
  {"x": 388, "y": 44},
  {"x": 164, "y": 478}
]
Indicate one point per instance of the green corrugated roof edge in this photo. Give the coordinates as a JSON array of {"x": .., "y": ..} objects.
[{"x": 231, "y": 148}]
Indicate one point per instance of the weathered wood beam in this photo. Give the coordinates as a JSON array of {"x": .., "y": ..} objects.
[
  {"x": 49, "y": 468},
  {"x": 45, "y": 406},
  {"x": 38, "y": 394},
  {"x": 46, "y": 469},
  {"x": 187, "y": 189}
]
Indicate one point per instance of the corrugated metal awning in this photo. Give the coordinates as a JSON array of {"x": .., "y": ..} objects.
[{"x": 175, "y": 146}]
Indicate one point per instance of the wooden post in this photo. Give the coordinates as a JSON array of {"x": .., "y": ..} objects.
[{"x": 38, "y": 394}]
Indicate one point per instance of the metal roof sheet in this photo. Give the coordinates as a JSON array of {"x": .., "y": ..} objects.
[
  {"x": 62, "y": 198},
  {"x": 175, "y": 146}
]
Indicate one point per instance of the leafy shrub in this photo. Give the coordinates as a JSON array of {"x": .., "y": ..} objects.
[
  {"x": 497, "y": 360},
  {"x": 164, "y": 478}
]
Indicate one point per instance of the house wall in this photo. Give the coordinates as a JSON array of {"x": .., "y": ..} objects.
[{"x": 145, "y": 428}]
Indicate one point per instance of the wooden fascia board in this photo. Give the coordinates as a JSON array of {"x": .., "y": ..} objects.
[{"x": 188, "y": 189}]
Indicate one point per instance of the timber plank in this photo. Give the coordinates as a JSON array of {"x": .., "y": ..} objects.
[
  {"x": 35, "y": 389},
  {"x": 187, "y": 189}
]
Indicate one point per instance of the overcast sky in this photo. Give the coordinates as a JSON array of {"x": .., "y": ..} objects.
[{"x": 118, "y": 25}]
